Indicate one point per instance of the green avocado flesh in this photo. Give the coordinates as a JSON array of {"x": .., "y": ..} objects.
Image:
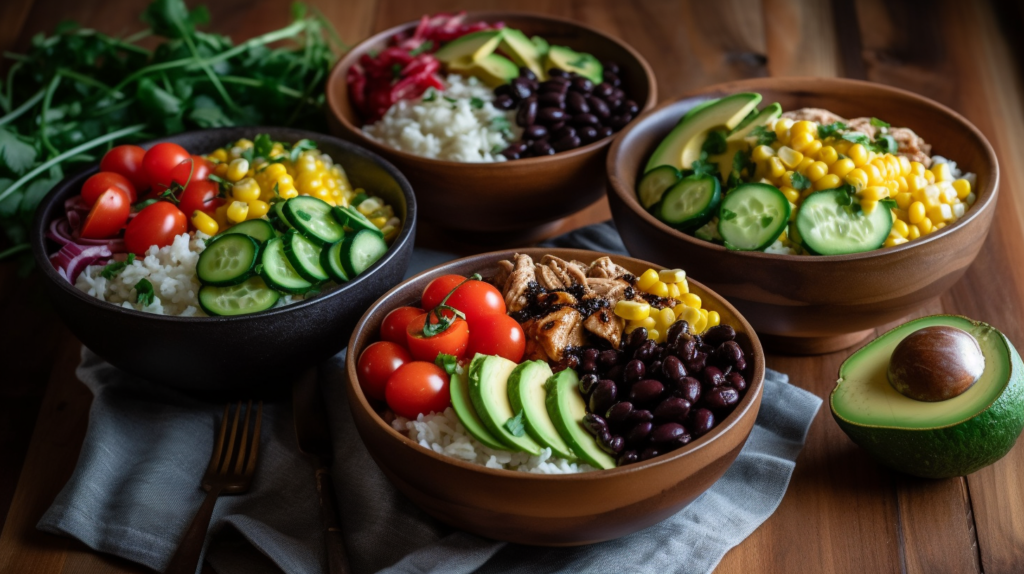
[
  {"x": 932, "y": 439},
  {"x": 463, "y": 406},
  {"x": 682, "y": 146},
  {"x": 488, "y": 391},
  {"x": 528, "y": 395}
]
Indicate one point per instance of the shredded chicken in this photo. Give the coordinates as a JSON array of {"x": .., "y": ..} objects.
[
  {"x": 605, "y": 268},
  {"x": 612, "y": 290},
  {"x": 547, "y": 278},
  {"x": 606, "y": 325},
  {"x": 568, "y": 273},
  {"x": 518, "y": 283},
  {"x": 504, "y": 272}
]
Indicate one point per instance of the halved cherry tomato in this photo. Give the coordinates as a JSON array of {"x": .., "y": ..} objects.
[
  {"x": 477, "y": 299},
  {"x": 200, "y": 196},
  {"x": 396, "y": 322},
  {"x": 196, "y": 168},
  {"x": 438, "y": 289},
  {"x": 127, "y": 161},
  {"x": 451, "y": 341},
  {"x": 98, "y": 183},
  {"x": 376, "y": 364},
  {"x": 159, "y": 161},
  {"x": 497, "y": 335},
  {"x": 157, "y": 225},
  {"x": 418, "y": 388},
  {"x": 108, "y": 215}
]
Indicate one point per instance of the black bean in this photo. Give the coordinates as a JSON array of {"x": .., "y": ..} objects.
[
  {"x": 619, "y": 122},
  {"x": 741, "y": 365},
  {"x": 612, "y": 79},
  {"x": 585, "y": 120},
  {"x": 613, "y": 446},
  {"x": 591, "y": 354},
  {"x": 597, "y": 107},
  {"x": 689, "y": 388},
  {"x": 520, "y": 147},
  {"x": 680, "y": 441},
  {"x": 521, "y": 88},
  {"x": 556, "y": 126},
  {"x": 587, "y": 384},
  {"x": 618, "y": 412},
  {"x": 649, "y": 453},
  {"x": 673, "y": 369},
  {"x": 667, "y": 432},
  {"x": 527, "y": 73},
  {"x": 594, "y": 424},
  {"x": 721, "y": 398},
  {"x": 701, "y": 421},
  {"x": 697, "y": 363},
  {"x": 617, "y": 94},
  {"x": 603, "y": 91},
  {"x": 588, "y": 134},
  {"x": 535, "y": 132},
  {"x": 586, "y": 365},
  {"x": 604, "y": 436},
  {"x": 627, "y": 457},
  {"x": 510, "y": 153},
  {"x": 551, "y": 100},
  {"x": 736, "y": 381},
  {"x": 505, "y": 90},
  {"x": 604, "y": 132},
  {"x": 576, "y": 103},
  {"x": 672, "y": 409},
  {"x": 555, "y": 85},
  {"x": 719, "y": 334},
  {"x": 566, "y": 143},
  {"x": 548, "y": 116},
  {"x": 527, "y": 113},
  {"x": 646, "y": 352},
  {"x": 564, "y": 131},
  {"x": 615, "y": 373},
  {"x": 728, "y": 353},
  {"x": 613, "y": 104},
  {"x": 637, "y": 338},
  {"x": 639, "y": 432},
  {"x": 609, "y": 357},
  {"x": 581, "y": 85},
  {"x": 610, "y": 66},
  {"x": 676, "y": 332},
  {"x": 557, "y": 73},
  {"x": 654, "y": 367},
  {"x": 713, "y": 377},
  {"x": 640, "y": 416},
  {"x": 634, "y": 371},
  {"x": 628, "y": 107},
  {"x": 504, "y": 102},
  {"x": 603, "y": 396},
  {"x": 645, "y": 392}
]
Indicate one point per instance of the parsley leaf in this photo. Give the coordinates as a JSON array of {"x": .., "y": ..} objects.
[
  {"x": 17, "y": 155},
  {"x": 515, "y": 425},
  {"x": 715, "y": 144},
  {"x": 396, "y": 71},
  {"x": 299, "y": 147},
  {"x": 830, "y": 130},
  {"x": 857, "y": 138},
  {"x": 886, "y": 144},
  {"x": 476, "y": 102},
  {"x": 799, "y": 181},
  {"x": 116, "y": 267},
  {"x": 740, "y": 161},
  {"x": 447, "y": 362},
  {"x": 262, "y": 144},
  {"x": 879, "y": 123},
  {"x": 889, "y": 203},
  {"x": 763, "y": 135},
  {"x": 450, "y": 99},
  {"x": 501, "y": 123},
  {"x": 144, "y": 292}
]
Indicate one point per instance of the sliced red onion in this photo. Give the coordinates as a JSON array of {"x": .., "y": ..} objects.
[{"x": 72, "y": 259}]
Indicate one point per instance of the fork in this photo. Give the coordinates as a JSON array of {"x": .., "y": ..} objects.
[{"x": 230, "y": 472}]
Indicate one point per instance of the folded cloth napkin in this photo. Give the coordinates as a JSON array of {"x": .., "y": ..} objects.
[{"x": 135, "y": 487}]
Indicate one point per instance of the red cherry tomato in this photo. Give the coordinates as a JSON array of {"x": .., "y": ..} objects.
[
  {"x": 497, "y": 335},
  {"x": 418, "y": 388},
  {"x": 396, "y": 322},
  {"x": 477, "y": 300},
  {"x": 159, "y": 161},
  {"x": 377, "y": 363},
  {"x": 127, "y": 161},
  {"x": 108, "y": 215},
  {"x": 196, "y": 168},
  {"x": 94, "y": 187},
  {"x": 438, "y": 289},
  {"x": 157, "y": 225},
  {"x": 199, "y": 196},
  {"x": 451, "y": 341}
]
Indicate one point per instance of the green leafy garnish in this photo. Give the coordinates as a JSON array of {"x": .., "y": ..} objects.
[
  {"x": 740, "y": 161},
  {"x": 879, "y": 123},
  {"x": 857, "y": 138},
  {"x": 476, "y": 102},
  {"x": 889, "y": 203},
  {"x": 443, "y": 316},
  {"x": 515, "y": 425},
  {"x": 886, "y": 144},
  {"x": 112, "y": 269},
  {"x": 430, "y": 95},
  {"x": 715, "y": 143},
  {"x": 763, "y": 135},
  {"x": 262, "y": 144},
  {"x": 299, "y": 147},
  {"x": 703, "y": 167},
  {"x": 396, "y": 71},
  {"x": 727, "y": 214},
  {"x": 450, "y": 99},
  {"x": 144, "y": 292},
  {"x": 830, "y": 130},
  {"x": 447, "y": 362},
  {"x": 799, "y": 181},
  {"x": 424, "y": 47}
]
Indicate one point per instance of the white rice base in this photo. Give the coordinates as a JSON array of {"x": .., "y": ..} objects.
[
  {"x": 444, "y": 434},
  {"x": 447, "y": 130}
]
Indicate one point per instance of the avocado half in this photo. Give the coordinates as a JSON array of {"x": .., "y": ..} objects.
[{"x": 941, "y": 439}]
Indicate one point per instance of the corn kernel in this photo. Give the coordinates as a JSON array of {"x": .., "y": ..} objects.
[
  {"x": 939, "y": 226},
  {"x": 673, "y": 290},
  {"x": 275, "y": 170},
  {"x": 963, "y": 188},
  {"x": 237, "y": 169},
  {"x": 671, "y": 275},
  {"x": 237, "y": 211},
  {"x": 647, "y": 279},
  {"x": 830, "y": 181},
  {"x": 790, "y": 157},
  {"x": 942, "y": 172},
  {"x": 659, "y": 289},
  {"x": 664, "y": 318},
  {"x": 799, "y": 140},
  {"x": 828, "y": 154},
  {"x": 714, "y": 319},
  {"x": 782, "y": 129},
  {"x": 857, "y": 178},
  {"x": 901, "y": 184},
  {"x": 804, "y": 164},
  {"x": 791, "y": 194},
  {"x": 219, "y": 155},
  {"x": 959, "y": 210},
  {"x": 900, "y": 227},
  {"x": 257, "y": 209},
  {"x": 701, "y": 325},
  {"x": 654, "y": 335},
  {"x": 203, "y": 222},
  {"x": 684, "y": 286},
  {"x": 904, "y": 165},
  {"x": 929, "y": 176},
  {"x": 648, "y": 323},
  {"x": 632, "y": 310},
  {"x": 804, "y": 126},
  {"x": 220, "y": 215},
  {"x": 762, "y": 153},
  {"x": 874, "y": 174},
  {"x": 775, "y": 167},
  {"x": 917, "y": 168},
  {"x": 940, "y": 213},
  {"x": 874, "y": 193},
  {"x": 842, "y": 146},
  {"x": 370, "y": 205},
  {"x": 842, "y": 167},
  {"x": 246, "y": 190},
  {"x": 812, "y": 149},
  {"x": 816, "y": 171},
  {"x": 971, "y": 198},
  {"x": 915, "y": 213},
  {"x": 903, "y": 200},
  {"x": 379, "y": 221},
  {"x": 688, "y": 314},
  {"x": 868, "y": 205},
  {"x": 925, "y": 225},
  {"x": 691, "y": 300},
  {"x": 948, "y": 195},
  {"x": 913, "y": 232},
  {"x": 858, "y": 154},
  {"x": 894, "y": 241},
  {"x": 287, "y": 192}
]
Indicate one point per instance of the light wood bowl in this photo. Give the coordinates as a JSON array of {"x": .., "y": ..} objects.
[{"x": 815, "y": 304}]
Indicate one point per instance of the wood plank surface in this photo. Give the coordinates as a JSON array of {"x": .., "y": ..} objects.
[{"x": 842, "y": 512}]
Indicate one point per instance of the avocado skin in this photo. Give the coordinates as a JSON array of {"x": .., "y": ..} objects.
[{"x": 955, "y": 450}]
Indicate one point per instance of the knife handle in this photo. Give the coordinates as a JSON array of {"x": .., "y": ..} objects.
[{"x": 337, "y": 558}]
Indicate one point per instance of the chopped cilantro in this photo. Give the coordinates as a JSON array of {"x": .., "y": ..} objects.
[
  {"x": 144, "y": 292},
  {"x": 116, "y": 267},
  {"x": 262, "y": 144},
  {"x": 430, "y": 96},
  {"x": 740, "y": 161},
  {"x": 476, "y": 102},
  {"x": 299, "y": 147},
  {"x": 857, "y": 138},
  {"x": 715, "y": 143},
  {"x": 704, "y": 167},
  {"x": 515, "y": 425},
  {"x": 450, "y": 100},
  {"x": 763, "y": 135},
  {"x": 396, "y": 71},
  {"x": 799, "y": 181},
  {"x": 886, "y": 143},
  {"x": 830, "y": 130},
  {"x": 889, "y": 203},
  {"x": 501, "y": 123},
  {"x": 879, "y": 123}
]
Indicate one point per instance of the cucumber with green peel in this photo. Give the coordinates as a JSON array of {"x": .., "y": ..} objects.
[
  {"x": 830, "y": 223},
  {"x": 313, "y": 218},
  {"x": 752, "y": 216},
  {"x": 250, "y": 296},
  {"x": 228, "y": 261},
  {"x": 278, "y": 219},
  {"x": 692, "y": 202},
  {"x": 351, "y": 218},
  {"x": 259, "y": 229},
  {"x": 654, "y": 184},
  {"x": 361, "y": 250},
  {"x": 330, "y": 260},
  {"x": 304, "y": 255},
  {"x": 278, "y": 272}
]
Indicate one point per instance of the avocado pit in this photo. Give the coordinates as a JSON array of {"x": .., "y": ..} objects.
[{"x": 936, "y": 363}]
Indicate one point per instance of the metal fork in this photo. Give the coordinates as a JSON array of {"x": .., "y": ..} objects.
[{"x": 230, "y": 472}]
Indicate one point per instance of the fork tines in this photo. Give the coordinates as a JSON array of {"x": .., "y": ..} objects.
[{"x": 234, "y": 454}]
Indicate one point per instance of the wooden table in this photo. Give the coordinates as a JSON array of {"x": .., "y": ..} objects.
[{"x": 842, "y": 513}]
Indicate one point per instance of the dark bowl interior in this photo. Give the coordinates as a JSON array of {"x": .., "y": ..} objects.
[{"x": 247, "y": 351}]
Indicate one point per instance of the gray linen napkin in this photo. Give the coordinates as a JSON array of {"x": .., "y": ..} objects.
[{"x": 135, "y": 488}]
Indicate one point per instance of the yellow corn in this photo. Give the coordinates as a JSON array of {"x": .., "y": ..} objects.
[
  {"x": 857, "y": 178},
  {"x": 688, "y": 314},
  {"x": 874, "y": 193},
  {"x": 893, "y": 241},
  {"x": 901, "y": 228},
  {"x": 672, "y": 275},
  {"x": 812, "y": 149},
  {"x": 913, "y": 232},
  {"x": 237, "y": 211},
  {"x": 691, "y": 300},
  {"x": 776, "y": 167},
  {"x": 858, "y": 154},
  {"x": 714, "y": 319},
  {"x": 654, "y": 335},
  {"x": 237, "y": 169},
  {"x": 791, "y": 194},
  {"x": 800, "y": 140},
  {"x": 828, "y": 154},
  {"x": 702, "y": 323},
  {"x": 790, "y": 157},
  {"x": 830, "y": 181},
  {"x": 673, "y": 290},
  {"x": 219, "y": 155},
  {"x": 647, "y": 279},
  {"x": 632, "y": 310},
  {"x": 925, "y": 225},
  {"x": 942, "y": 172},
  {"x": 903, "y": 200},
  {"x": 842, "y": 167},
  {"x": 257, "y": 209},
  {"x": 762, "y": 153},
  {"x": 915, "y": 213},
  {"x": 963, "y": 188},
  {"x": 659, "y": 289},
  {"x": 203, "y": 222},
  {"x": 246, "y": 190}
]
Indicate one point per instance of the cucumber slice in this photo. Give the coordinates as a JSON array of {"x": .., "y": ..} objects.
[
  {"x": 330, "y": 260},
  {"x": 259, "y": 229},
  {"x": 228, "y": 261},
  {"x": 278, "y": 271},
  {"x": 351, "y": 218},
  {"x": 312, "y": 217},
  {"x": 278, "y": 219},
  {"x": 251, "y": 296},
  {"x": 655, "y": 182},
  {"x": 692, "y": 202},
  {"x": 361, "y": 250},
  {"x": 752, "y": 216},
  {"x": 304, "y": 255},
  {"x": 827, "y": 225}
]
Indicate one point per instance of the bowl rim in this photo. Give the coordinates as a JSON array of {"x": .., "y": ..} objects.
[
  {"x": 337, "y": 78},
  {"x": 405, "y": 236},
  {"x": 626, "y": 190},
  {"x": 754, "y": 394}
]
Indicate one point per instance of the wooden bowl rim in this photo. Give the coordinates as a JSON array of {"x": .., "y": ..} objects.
[
  {"x": 753, "y": 395},
  {"x": 337, "y": 78},
  {"x": 626, "y": 192}
]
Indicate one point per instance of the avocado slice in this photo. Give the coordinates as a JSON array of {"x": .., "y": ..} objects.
[
  {"x": 474, "y": 46},
  {"x": 493, "y": 69},
  {"x": 542, "y": 46},
  {"x": 681, "y": 147},
  {"x": 941, "y": 439},
  {"x": 528, "y": 395},
  {"x": 463, "y": 406},
  {"x": 570, "y": 60},
  {"x": 488, "y": 391},
  {"x": 566, "y": 408},
  {"x": 523, "y": 52},
  {"x": 763, "y": 117}
]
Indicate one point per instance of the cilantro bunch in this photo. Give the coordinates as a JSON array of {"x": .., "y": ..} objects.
[{"x": 78, "y": 93}]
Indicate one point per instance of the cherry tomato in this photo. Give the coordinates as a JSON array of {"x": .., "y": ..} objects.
[
  {"x": 108, "y": 215},
  {"x": 497, "y": 335},
  {"x": 199, "y": 196},
  {"x": 196, "y": 166},
  {"x": 477, "y": 299},
  {"x": 377, "y": 363},
  {"x": 159, "y": 161},
  {"x": 127, "y": 161},
  {"x": 157, "y": 225},
  {"x": 94, "y": 187},
  {"x": 438, "y": 289},
  {"x": 451, "y": 341},
  {"x": 396, "y": 322},
  {"x": 418, "y": 388}
]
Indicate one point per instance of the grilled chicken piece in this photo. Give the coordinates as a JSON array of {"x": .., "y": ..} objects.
[
  {"x": 504, "y": 272},
  {"x": 605, "y": 268},
  {"x": 558, "y": 330},
  {"x": 613, "y": 290},
  {"x": 568, "y": 273},
  {"x": 518, "y": 282},
  {"x": 556, "y": 299},
  {"x": 606, "y": 325},
  {"x": 534, "y": 351},
  {"x": 547, "y": 278}
]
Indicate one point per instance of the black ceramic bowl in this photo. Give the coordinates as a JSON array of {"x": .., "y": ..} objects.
[{"x": 233, "y": 353}]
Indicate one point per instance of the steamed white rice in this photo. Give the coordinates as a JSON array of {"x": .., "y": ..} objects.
[
  {"x": 447, "y": 125},
  {"x": 444, "y": 434}
]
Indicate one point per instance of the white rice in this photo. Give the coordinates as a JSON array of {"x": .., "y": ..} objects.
[
  {"x": 446, "y": 125},
  {"x": 444, "y": 434},
  {"x": 171, "y": 270}
]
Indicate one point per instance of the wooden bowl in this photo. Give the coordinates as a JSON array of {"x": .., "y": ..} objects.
[
  {"x": 503, "y": 196},
  {"x": 549, "y": 510},
  {"x": 815, "y": 304},
  {"x": 230, "y": 354}
]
